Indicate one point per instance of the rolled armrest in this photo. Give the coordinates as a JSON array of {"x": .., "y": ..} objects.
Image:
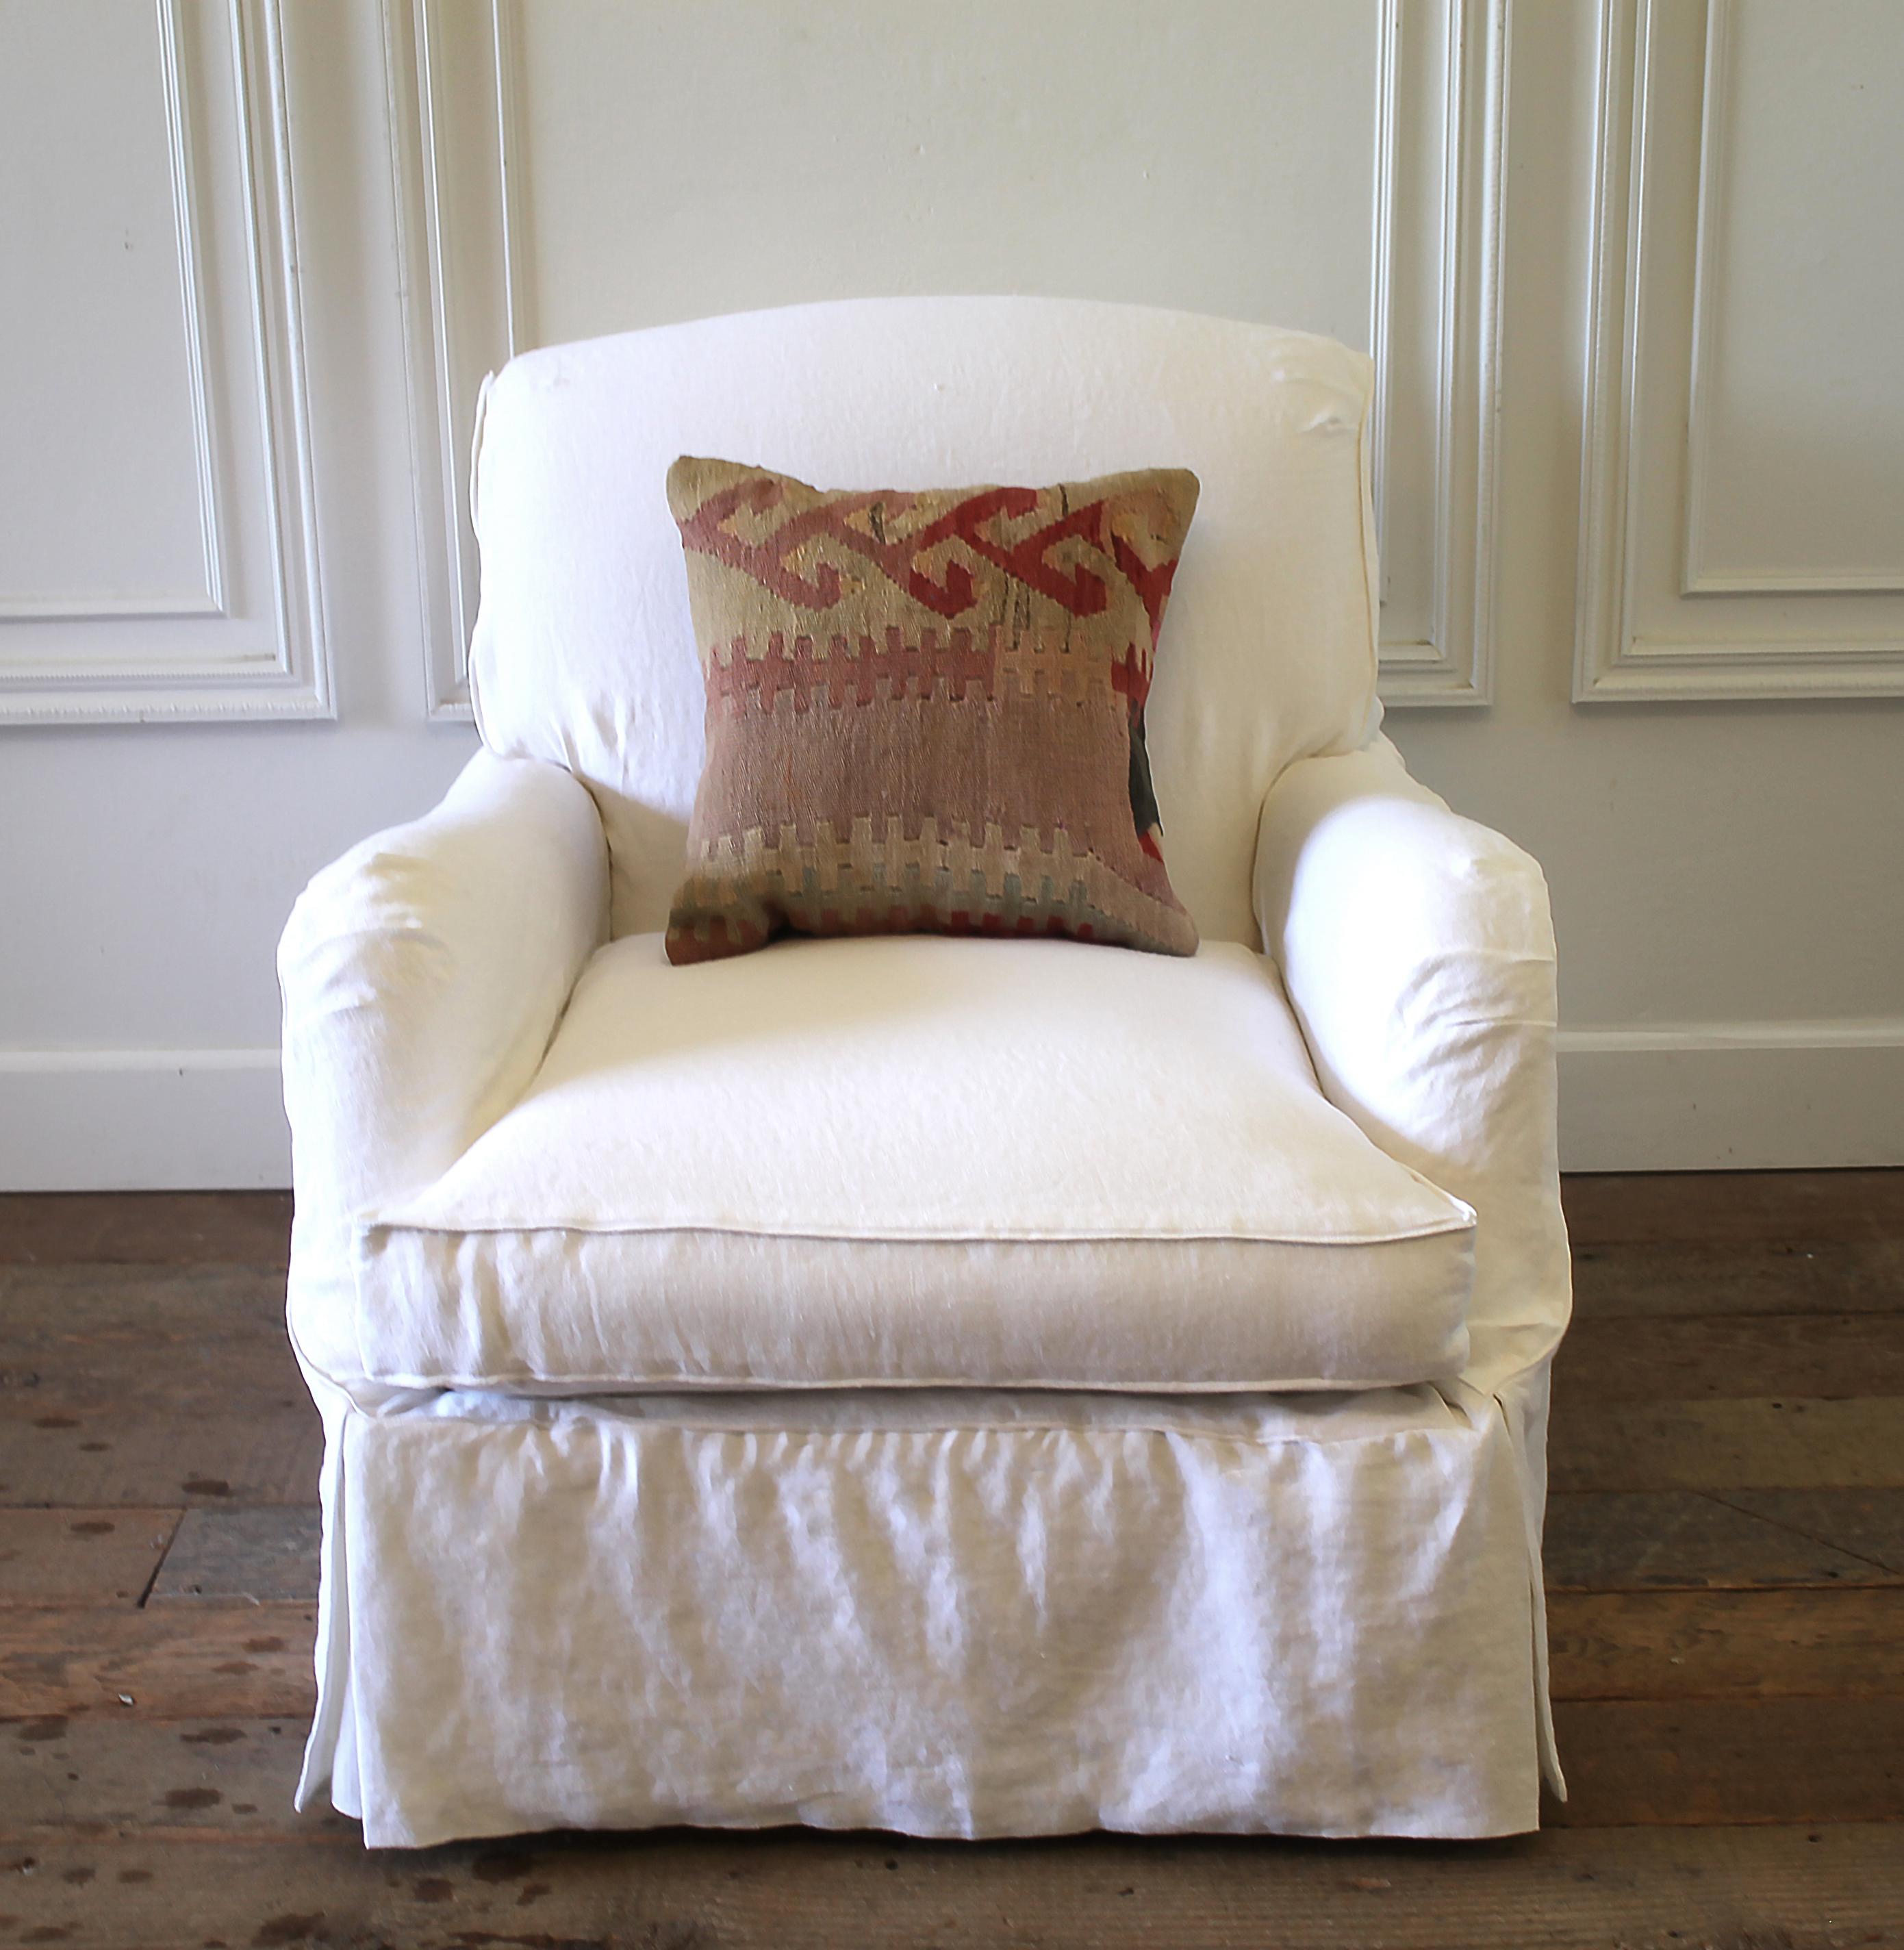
[
  {"x": 423, "y": 975},
  {"x": 1417, "y": 949}
]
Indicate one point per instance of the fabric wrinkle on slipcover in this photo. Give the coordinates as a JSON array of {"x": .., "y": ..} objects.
[
  {"x": 915, "y": 1160},
  {"x": 1017, "y": 1613}
]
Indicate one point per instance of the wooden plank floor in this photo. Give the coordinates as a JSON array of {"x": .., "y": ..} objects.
[{"x": 1725, "y": 1568}]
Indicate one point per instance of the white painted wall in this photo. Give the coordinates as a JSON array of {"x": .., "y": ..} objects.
[
  {"x": 146, "y": 869},
  {"x": 1726, "y": 865}
]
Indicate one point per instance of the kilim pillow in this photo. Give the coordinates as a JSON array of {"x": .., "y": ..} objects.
[{"x": 925, "y": 711}]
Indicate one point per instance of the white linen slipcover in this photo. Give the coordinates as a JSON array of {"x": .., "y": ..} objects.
[
  {"x": 584, "y": 651},
  {"x": 1310, "y": 1613},
  {"x": 1427, "y": 997},
  {"x": 962, "y": 1614},
  {"x": 454, "y": 1649},
  {"x": 920, "y": 1162}
]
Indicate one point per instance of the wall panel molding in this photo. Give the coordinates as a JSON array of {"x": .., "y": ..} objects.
[
  {"x": 250, "y": 643},
  {"x": 456, "y": 157},
  {"x": 180, "y": 159},
  {"x": 1649, "y": 627},
  {"x": 1442, "y": 138}
]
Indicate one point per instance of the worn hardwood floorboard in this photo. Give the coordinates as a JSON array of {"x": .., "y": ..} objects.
[
  {"x": 253, "y": 1662},
  {"x": 171, "y": 1663},
  {"x": 1731, "y": 1645},
  {"x": 82, "y": 1421},
  {"x": 1691, "y": 1358},
  {"x": 255, "y": 1454},
  {"x": 117, "y": 1769},
  {"x": 1732, "y": 1207},
  {"x": 85, "y": 1312},
  {"x": 1695, "y": 1760},
  {"x": 1792, "y": 1442},
  {"x": 258, "y": 1556},
  {"x": 81, "y": 1556},
  {"x": 1867, "y": 1522},
  {"x": 190, "y": 1228},
  {"x": 1643, "y": 1540},
  {"x": 1640, "y": 1888},
  {"x": 1634, "y": 1280}
]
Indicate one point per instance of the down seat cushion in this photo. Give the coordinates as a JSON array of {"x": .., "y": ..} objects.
[{"x": 920, "y": 1161}]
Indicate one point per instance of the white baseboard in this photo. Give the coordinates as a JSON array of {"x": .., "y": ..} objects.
[
  {"x": 1692, "y": 1097},
  {"x": 1732, "y": 1096},
  {"x": 142, "y": 1120}
]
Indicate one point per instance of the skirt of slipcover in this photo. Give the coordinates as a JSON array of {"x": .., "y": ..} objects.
[{"x": 945, "y": 1613}]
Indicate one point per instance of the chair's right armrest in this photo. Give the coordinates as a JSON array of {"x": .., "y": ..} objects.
[
  {"x": 423, "y": 974},
  {"x": 1418, "y": 953}
]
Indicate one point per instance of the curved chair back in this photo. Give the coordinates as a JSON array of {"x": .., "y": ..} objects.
[{"x": 583, "y": 653}]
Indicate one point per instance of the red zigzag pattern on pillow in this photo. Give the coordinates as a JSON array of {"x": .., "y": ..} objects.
[{"x": 1079, "y": 591}]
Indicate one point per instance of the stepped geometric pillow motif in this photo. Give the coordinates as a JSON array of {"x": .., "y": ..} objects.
[{"x": 925, "y": 711}]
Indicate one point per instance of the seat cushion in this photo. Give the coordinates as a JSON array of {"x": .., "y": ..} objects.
[{"x": 921, "y": 1161}]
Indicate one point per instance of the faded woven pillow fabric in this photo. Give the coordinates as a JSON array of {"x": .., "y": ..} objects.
[{"x": 925, "y": 711}]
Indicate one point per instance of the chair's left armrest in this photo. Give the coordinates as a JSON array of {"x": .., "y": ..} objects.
[
  {"x": 423, "y": 974},
  {"x": 1417, "y": 949}
]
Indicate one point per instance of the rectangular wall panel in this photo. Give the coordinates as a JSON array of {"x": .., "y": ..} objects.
[
  {"x": 159, "y": 557},
  {"x": 1441, "y": 149},
  {"x": 1796, "y": 447},
  {"x": 105, "y": 469},
  {"x": 1742, "y": 504},
  {"x": 453, "y": 145}
]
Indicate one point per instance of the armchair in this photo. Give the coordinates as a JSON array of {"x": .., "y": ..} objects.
[{"x": 968, "y": 1387}]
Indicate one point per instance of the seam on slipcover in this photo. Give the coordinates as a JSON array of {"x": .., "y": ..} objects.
[
  {"x": 475, "y": 526},
  {"x": 1372, "y": 709},
  {"x": 611, "y": 1386},
  {"x": 1173, "y": 1430},
  {"x": 331, "y": 1655},
  {"x": 598, "y": 1409},
  {"x": 363, "y": 1228},
  {"x": 1546, "y": 1738}
]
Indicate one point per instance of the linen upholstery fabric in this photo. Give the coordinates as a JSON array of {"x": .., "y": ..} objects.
[
  {"x": 957, "y": 1615},
  {"x": 926, "y": 711},
  {"x": 917, "y": 1161},
  {"x": 422, "y": 974},
  {"x": 583, "y": 650},
  {"x": 1417, "y": 948},
  {"x": 1427, "y": 999}
]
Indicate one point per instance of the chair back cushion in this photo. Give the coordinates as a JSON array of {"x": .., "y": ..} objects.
[{"x": 583, "y": 652}]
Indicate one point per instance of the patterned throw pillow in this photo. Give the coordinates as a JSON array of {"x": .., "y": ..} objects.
[{"x": 925, "y": 711}]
